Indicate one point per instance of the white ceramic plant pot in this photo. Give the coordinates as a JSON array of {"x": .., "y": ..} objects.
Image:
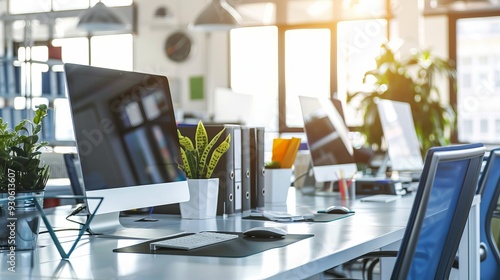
[
  {"x": 277, "y": 182},
  {"x": 203, "y": 199}
]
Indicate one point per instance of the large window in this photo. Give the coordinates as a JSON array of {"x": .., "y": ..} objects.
[
  {"x": 313, "y": 48},
  {"x": 40, "y": 6},
  {"x": 478, "y": 65},
  {"x": 39, "y": 44},
  {"x": 254, "y": 70},
  {"x": 307, "y": 69}
]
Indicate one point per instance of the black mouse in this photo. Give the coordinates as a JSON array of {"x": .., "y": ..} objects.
[
  {"x": 265, "y": 232},
  {"x": 336, "y": 210}
]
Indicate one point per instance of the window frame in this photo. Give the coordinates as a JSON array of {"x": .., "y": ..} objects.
[
  {"x": 12, "y": 45},
  {"x": 453, "y": 18},
  {"x": 332, "y": 26},
  {"x": 282, "y": 29}
]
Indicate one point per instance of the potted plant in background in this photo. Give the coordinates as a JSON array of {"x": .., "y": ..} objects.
[
  {"x": 412, "y": 81},
  {"x": 198, "y": 163},
  {"x": 22, "y": 179}
]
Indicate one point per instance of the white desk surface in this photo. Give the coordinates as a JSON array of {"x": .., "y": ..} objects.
[{"x": 374, "y": 226}]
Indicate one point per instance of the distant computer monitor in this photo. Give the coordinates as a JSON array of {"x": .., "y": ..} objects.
[
  {"x": 400, "y": 136},
  {"x": 232, "y": 107},
  {"x": 338, "y": 106},
  {"x": 328, "y": 140},
  {"x": 127, "y": 141}
]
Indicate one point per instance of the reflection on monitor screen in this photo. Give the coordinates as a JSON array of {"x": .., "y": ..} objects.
[
  {"x": 400, "y": 136},
  {"x": 127, "y": 141},
  {"x": 328, "y": 140}
]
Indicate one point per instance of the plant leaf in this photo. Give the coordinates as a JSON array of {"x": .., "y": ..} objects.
[
  {"x": 192, "y": 159},
  {"x": 208, "y": 148},
  {"x": 185, "y": 162},
  {"x": 201, "y": 137},
  {"x": 216, "y": 155},
  {"x": 185, "y": 142},
  {"x": 20, "y": 126}
]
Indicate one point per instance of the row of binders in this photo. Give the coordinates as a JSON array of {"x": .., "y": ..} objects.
[{"x": 240, "y": 170}]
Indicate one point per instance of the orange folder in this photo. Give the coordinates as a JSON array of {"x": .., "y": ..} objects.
[{"x": 285, "y": 151}]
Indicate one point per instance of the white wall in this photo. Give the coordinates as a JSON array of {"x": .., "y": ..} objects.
[{"x": 149, "y": 55}]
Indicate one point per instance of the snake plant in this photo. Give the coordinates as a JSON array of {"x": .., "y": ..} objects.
[{"x": 194, "y": 157}]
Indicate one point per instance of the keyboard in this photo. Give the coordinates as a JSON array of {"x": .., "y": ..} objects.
[{"x": 193, "y": 241}]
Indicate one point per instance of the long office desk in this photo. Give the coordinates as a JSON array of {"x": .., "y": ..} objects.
[{"x": 374, "y": 226}]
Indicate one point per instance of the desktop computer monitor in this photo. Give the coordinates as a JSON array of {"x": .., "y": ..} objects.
[
  {"x": 127, "y": 142},
  {"x": 338, "y": 106},
  {"x": 232, "y": 107},
  {"x": 328, "y": 140},
  {"x": 403, "y": 148}
]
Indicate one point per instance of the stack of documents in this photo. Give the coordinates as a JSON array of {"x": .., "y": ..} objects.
[
  {"x": 381, "y": 198},
  {"x": 281, "y": 216}
]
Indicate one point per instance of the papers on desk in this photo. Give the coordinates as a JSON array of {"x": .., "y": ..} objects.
[
  {"x": 381, "y": 198},
  {"x": 281, "y": 216}
]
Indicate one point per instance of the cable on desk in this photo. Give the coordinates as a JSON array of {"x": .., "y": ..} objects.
[
  {"x": 76, "y": 212},
  {"x": 299, "y": 177},
  {"x": 68, "y": 218},
  {"x": 62, "y": 229}
]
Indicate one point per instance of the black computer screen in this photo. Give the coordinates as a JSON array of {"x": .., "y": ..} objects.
[
  {"x": 327, "y": 139},
  {"x": 124, "y": 127}
]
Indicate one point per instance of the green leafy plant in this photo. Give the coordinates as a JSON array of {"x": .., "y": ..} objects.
[
  {"x": 20, "y": 152},
  {"x": 194, "y": 157},
  {"x": 412, "y": 81},
  {"x": 272, "y": 165}
]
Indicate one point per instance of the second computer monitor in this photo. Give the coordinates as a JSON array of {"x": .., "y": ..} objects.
[
  {"x": 328, "y": 139},
  {"x": 400, "y": 136}
]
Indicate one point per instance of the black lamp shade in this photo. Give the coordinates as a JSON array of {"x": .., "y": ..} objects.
[
  {"x": 100, "y": 18},
  {"x": 218, "y": 15}
]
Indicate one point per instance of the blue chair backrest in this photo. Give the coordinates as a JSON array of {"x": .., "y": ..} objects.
[
  {"x": 440, "y": 211},
  {"x": 489, "y": 188}
]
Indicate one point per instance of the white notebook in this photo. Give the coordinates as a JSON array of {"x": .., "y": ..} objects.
[{"x": 381, "y": 198}]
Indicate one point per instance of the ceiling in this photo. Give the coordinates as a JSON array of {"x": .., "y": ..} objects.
[{"x": 459, "y": 6}]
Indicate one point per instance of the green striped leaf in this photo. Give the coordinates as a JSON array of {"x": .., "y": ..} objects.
[{"x": 217, "y": 154}]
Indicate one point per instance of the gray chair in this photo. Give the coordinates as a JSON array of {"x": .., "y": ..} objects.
[
  {"x": 56, "y": 163},
  {"x": 489, "y": 188},
  {"x": 439, "y": 214},
  {"x": 71, "y": 161}
]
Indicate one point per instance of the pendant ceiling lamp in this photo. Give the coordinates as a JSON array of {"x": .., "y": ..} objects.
[
  {"x": 217, "y": 16},
  {"x": 100, "y": 18}
]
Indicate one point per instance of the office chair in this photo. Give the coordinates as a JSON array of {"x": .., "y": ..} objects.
[
  {"x": 56, "y": 163},
  {"x": 489, "y": 188},
  {"x": 71, "y": 161},
  {"x": 439, "y": 214}
]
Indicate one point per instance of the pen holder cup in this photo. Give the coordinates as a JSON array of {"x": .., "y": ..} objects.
[
  {"x": 347, "y": 189},
  {"x": 351, "y": 190},
  {"x": 277, "y": 184}
]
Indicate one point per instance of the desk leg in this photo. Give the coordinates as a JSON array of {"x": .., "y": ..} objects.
[
  {"x": 387, "y": 264},
  {"x": 468, "y": 251}
]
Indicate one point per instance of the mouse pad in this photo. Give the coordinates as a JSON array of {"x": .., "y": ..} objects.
[
  {"x": 236, "y": 248},
  {"x": 318, "y": 218}
]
